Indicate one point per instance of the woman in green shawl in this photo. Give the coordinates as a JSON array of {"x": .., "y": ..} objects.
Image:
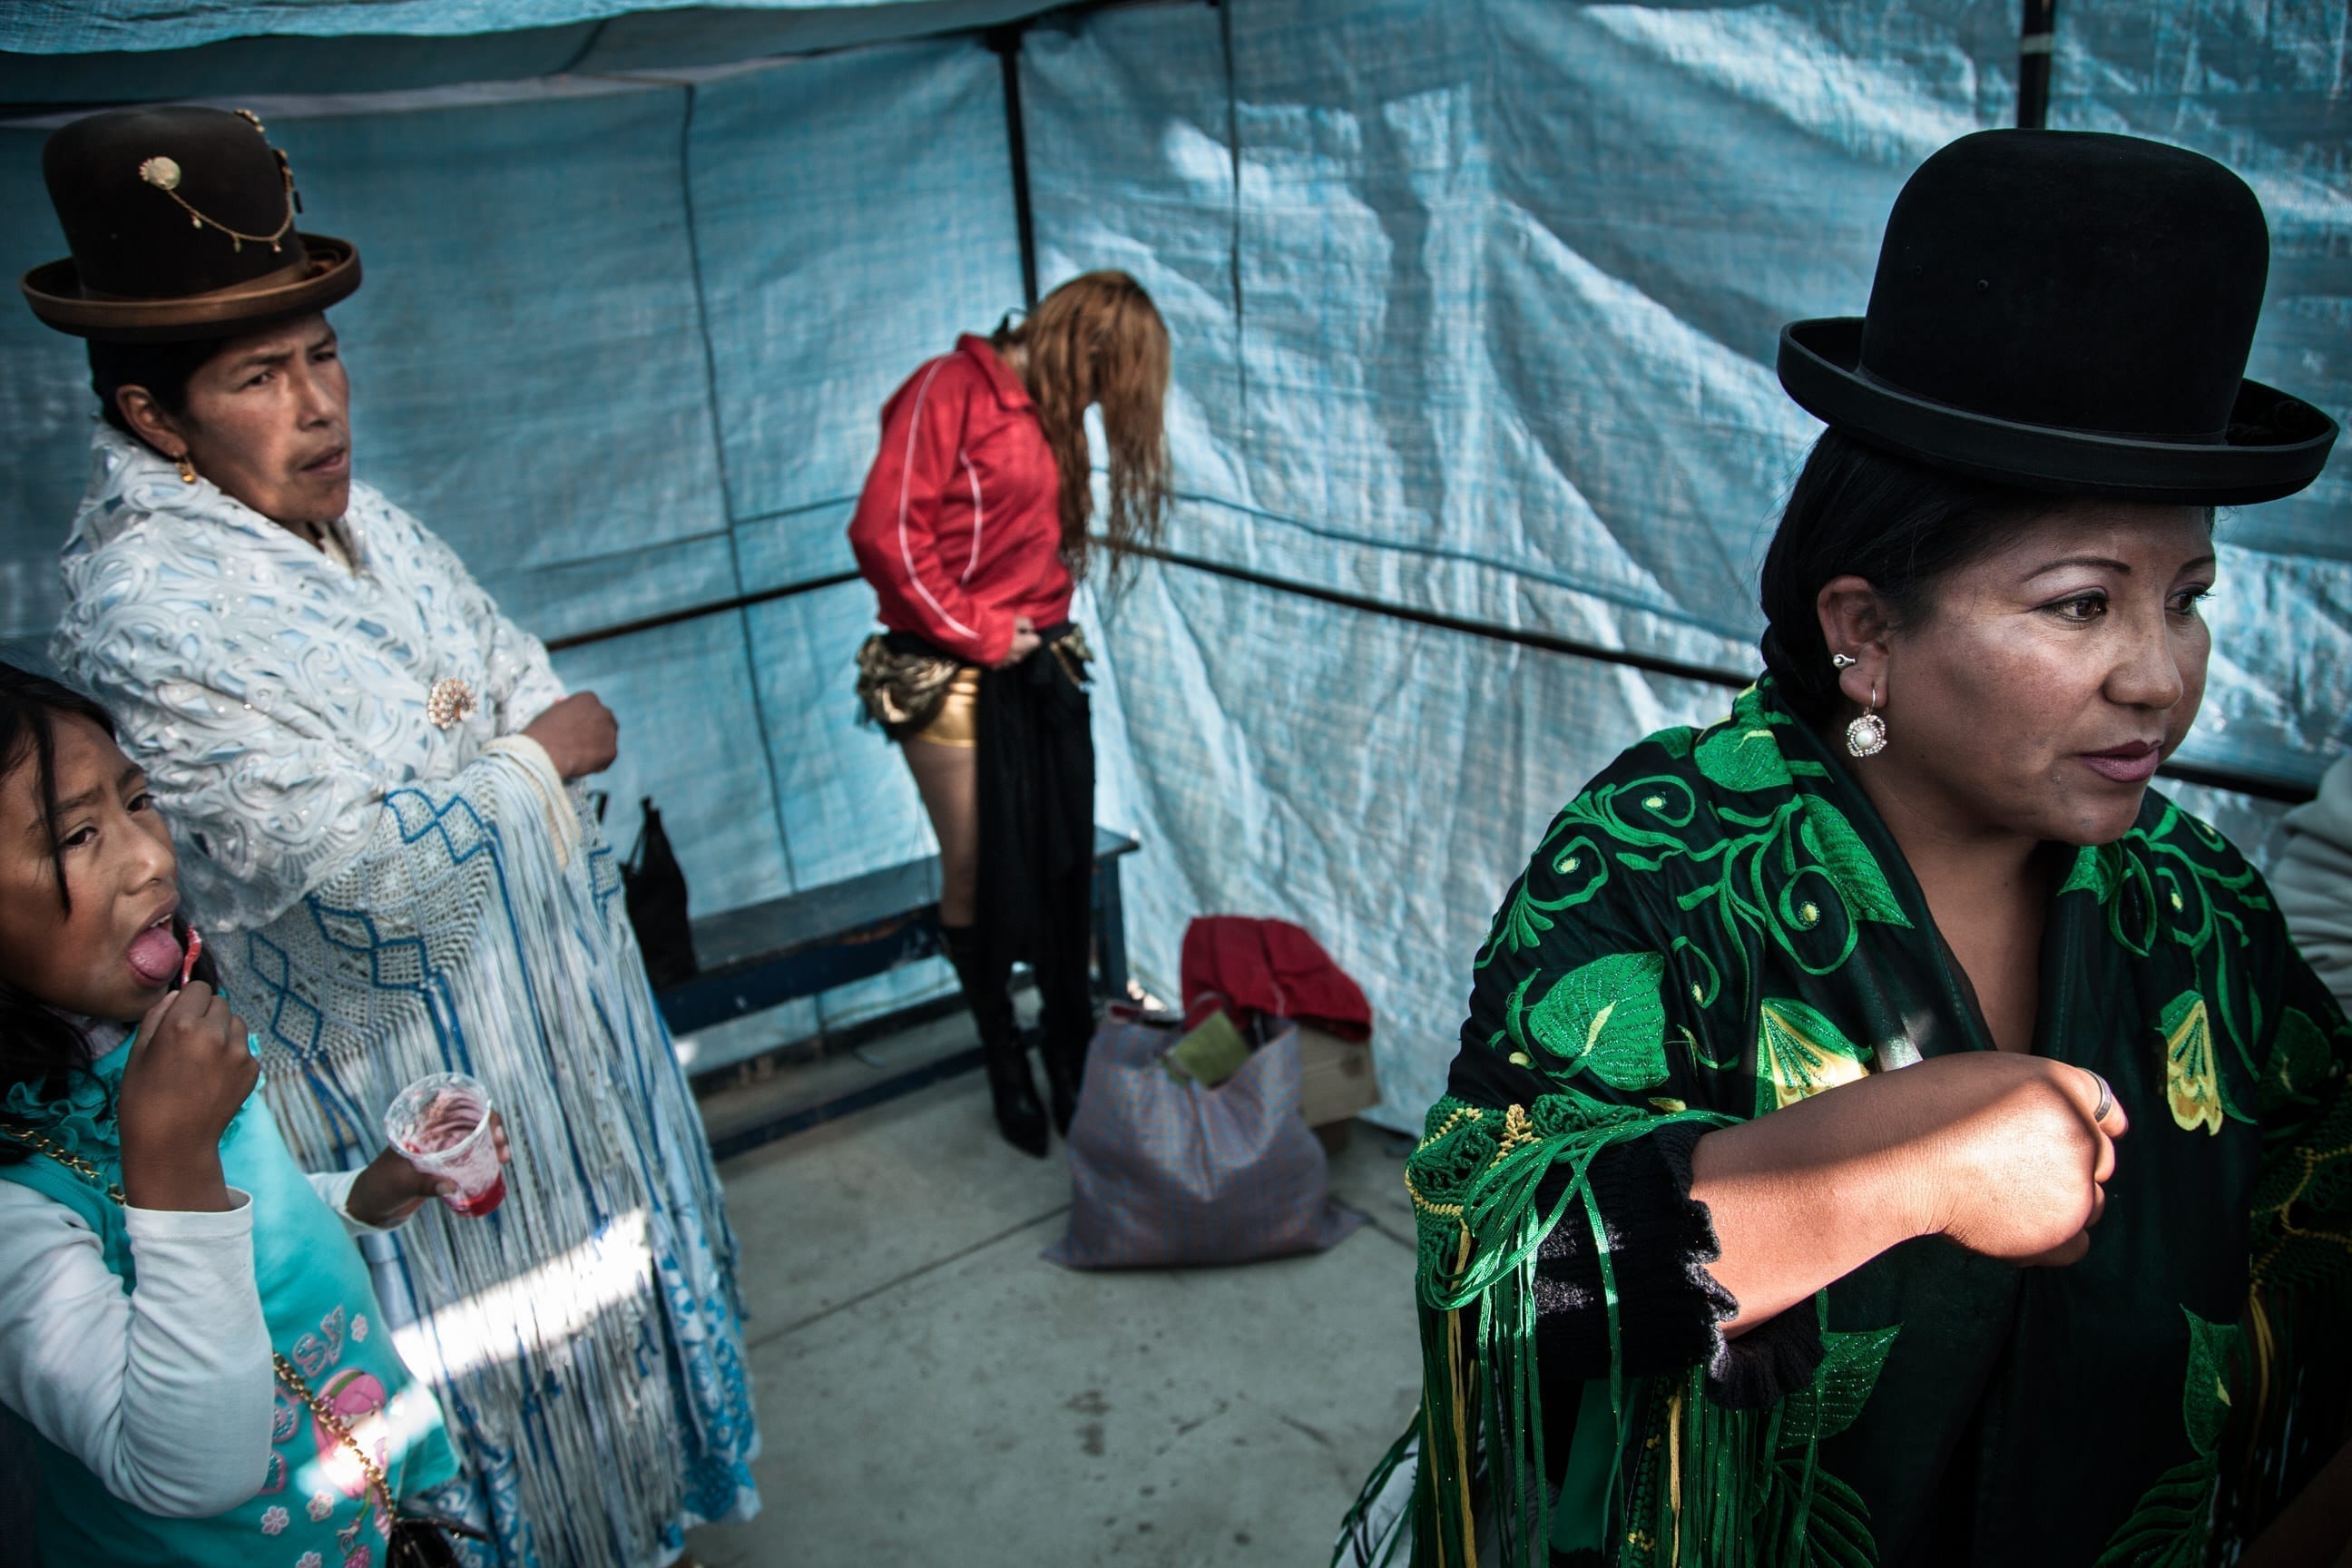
[{"x": 1886, "y": 1129}]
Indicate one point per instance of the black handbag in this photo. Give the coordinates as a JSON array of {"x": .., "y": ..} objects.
[{"x": 654, "y": 887}]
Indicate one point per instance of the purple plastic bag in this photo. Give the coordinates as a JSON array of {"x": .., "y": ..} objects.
[{"x": 1165, "y": 1171}]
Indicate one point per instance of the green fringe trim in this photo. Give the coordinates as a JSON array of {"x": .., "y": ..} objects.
[{"x": 1691, "y": 1482}]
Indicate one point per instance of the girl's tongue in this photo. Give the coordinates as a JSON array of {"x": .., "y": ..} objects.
[{"x": 155, "y": 955}]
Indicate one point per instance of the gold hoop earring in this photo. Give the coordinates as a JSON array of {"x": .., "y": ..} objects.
[
  {"x": 187, "y": 468},
  {"x": 1866, "y": 736}
]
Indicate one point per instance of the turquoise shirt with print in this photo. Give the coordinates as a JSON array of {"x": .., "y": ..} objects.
[{"x": 315, "y": 1508}]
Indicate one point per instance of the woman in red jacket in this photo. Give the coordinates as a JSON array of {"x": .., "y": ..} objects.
[{"x": 973, "y": 529}]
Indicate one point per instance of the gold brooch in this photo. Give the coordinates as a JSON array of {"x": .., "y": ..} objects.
[{"x": 451, "y": 701}]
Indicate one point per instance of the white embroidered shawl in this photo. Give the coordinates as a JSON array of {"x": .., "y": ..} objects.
[{"x": 275, "y": 696}]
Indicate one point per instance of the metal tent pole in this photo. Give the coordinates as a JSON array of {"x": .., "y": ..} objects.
[
  {"x": 1006, "y": 43},
  {"x": 2037, "y": 40}
]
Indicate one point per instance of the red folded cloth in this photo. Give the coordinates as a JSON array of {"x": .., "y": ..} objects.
[{"x": 1251, "y": 966}]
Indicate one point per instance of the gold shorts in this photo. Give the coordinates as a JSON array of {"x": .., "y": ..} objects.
[{"x": 957, "y": 723}]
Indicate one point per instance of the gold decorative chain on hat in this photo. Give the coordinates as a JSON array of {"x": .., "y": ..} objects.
[{"x": 164, "y": 174}]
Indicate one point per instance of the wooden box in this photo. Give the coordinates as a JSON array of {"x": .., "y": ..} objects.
[{"x": 1335, "y": 1078}]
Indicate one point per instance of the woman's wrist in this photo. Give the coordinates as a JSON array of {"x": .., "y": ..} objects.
[
  {"x": 369, "y": 1201},
  {"x": 1894, "y": 1158},
  {"x": 530, "y": 751},
  {"x": 1917, "y": 1191},
  {"x": 386, "y": 1191},
  {"x": 524, "y": 742},
  {"x": 190, "y": 1182},
  {"x": 1804, "y": 1196}
]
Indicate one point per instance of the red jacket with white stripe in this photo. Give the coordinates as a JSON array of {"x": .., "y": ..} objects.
[{"x": 960, "y": 527}]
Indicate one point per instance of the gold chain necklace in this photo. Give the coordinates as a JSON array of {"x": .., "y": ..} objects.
[{"x": 41, "y": 1144}]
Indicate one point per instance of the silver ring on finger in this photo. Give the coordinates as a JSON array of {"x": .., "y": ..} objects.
[{"x": 2107, "y": 1097}]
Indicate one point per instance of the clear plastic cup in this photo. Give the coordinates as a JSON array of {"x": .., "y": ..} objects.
[{"x": 441, "y": 1125}]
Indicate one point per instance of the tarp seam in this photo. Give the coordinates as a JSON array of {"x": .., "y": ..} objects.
[{"x": 726, "y": 482}]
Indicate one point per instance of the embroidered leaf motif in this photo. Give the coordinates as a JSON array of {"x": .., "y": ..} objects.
[
  {"x": 2192, "y": 1078},
  {"x": 2099, "y": 868},
  {"x": 1850, "y": 863},
  {"x": 2205, "y": 1392},
  {"x": 1747, "y": 709},
  {"x": 1798, "y": 1053},
  {"x": 2299, "y": 1057},
  {"x": 1812, "y": 1519},
  {"x": 1606, "y": 1016},
  {"x": 2167, "y": 1528},
  {"x": 1837, "y": 1527},
  {"x": 1739, "y": 757},
  {"x": 1520, "y": 925},
  {"x": 1849, "y": 1372},
  {"x": 1580, "y": 869},
  {"x": 1676, "y": 742}
]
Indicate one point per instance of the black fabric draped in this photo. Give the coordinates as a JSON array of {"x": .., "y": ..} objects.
[{"x": 1036, "y": 767}]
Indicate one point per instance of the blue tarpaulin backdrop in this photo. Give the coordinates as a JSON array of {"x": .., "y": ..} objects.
[{"x": 1474, "y": 301}]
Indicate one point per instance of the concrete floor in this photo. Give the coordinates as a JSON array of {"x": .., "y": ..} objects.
[{"x": 930, "y": 1390}]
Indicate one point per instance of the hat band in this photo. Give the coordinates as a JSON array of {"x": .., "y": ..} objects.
[
  {"x": 292, "y": 272},
  {"x": 2170, "y": 437}
]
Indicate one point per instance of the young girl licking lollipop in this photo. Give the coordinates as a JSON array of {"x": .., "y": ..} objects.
[{"x": 186, "y": 1323}]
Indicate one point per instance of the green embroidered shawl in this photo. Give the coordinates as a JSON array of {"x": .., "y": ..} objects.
[{"x": 1719, "y": 925}]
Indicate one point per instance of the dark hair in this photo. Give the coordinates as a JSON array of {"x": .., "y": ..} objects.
[
  {"x": 1098, "y": 340},
  {"x": 1900, "y": 524},
  {"x": 164, "y": 369},
  {"x": 37, "y": 1046}
]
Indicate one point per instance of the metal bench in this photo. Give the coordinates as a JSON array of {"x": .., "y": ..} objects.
[{"x": 766, "y": 955}]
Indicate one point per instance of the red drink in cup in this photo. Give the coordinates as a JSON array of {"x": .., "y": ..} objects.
[{"x": 441, "y": 1125}]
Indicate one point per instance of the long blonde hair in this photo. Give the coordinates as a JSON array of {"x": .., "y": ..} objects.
[{"x": 1099, "y": 339}]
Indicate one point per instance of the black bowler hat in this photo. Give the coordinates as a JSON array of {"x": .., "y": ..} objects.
[
  {"x": 2067, "y": 311},
  {"x": 181, "y": 225}
]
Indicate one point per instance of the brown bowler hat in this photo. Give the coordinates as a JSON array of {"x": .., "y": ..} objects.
[{"x": 181, "y": 225}]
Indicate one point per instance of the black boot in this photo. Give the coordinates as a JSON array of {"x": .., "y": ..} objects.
[
  {"x": 1067, "y": 1018},
  {"x": 1010, "y": 1086},
  {"x": 1066, "y": 1071}
]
